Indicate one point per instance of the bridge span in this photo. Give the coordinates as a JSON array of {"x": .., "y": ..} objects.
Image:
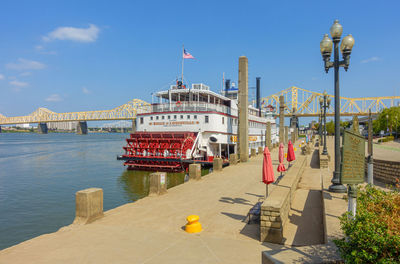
[{"x": 298, "y": 101}]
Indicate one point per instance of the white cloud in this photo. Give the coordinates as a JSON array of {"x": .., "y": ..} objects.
[
  {"x": 39, "y": 47},
  {"x": 24, "y": 74},
  {"x": 18, "y": 83},
  {"x": 371, "y": 59},
  {"x": 85, "y": 90},
  {"x": 2, "y": 77},
  {"x": 53, "y": 98},
  {"x": 89, "y": 34},
  {"x": 23, "y": 64}
]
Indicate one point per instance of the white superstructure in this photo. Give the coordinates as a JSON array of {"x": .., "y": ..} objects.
[{"x": 214, "y": 117}]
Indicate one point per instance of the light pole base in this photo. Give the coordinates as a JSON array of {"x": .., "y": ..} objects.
[
  {"x": 336, "y": 186},
  {"x": 324, "y": 152}
]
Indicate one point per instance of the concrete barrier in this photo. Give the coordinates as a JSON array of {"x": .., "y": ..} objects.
[
  {"x": 89, "y": 205},
  {"x": 217, "y": 164},
  {"x": 194, "y": 171},
  {"x": 158, "y": 183},
  {"x": 233, "y": 159},
  {"x": 275, "y": 209}
]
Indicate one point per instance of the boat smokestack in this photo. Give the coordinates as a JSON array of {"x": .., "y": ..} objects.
[
  {"x": 227, "y": 86},
  {"x": 258, "y": 98}
]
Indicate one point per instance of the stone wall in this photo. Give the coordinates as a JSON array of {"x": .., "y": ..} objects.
[
  {"x": 275, "y": 209},
  {"x": 385, "y": 171}
]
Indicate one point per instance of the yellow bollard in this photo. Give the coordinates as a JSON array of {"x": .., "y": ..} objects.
[
  {"x": 300, "y": 146},
  {"x": 295, "y": 149},
  {"x": 193, "y": 225},
  {"x": 285, "y": 155}
]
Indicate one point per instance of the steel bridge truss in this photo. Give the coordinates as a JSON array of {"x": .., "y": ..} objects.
[
  {"x": 126, "y": 111},
  {"x": 302, "y": 102}
]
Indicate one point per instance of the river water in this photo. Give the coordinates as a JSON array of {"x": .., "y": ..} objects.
[{"x": 40, "y": 174}]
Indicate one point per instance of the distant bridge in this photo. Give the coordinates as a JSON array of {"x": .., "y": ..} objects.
[
  {"x": 126, "y": 111},
  {"x": 304, "y": 102}
]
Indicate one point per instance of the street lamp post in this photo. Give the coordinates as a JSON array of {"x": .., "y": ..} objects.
[
  {"x": 320, "y": 124},
  {"x": 324, "y": 102},
  {"x": 387, "y": 123},
  {"x": 326, "y": 50}
]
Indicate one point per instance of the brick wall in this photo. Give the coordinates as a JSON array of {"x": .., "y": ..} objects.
[{"x": 385, "y": 171}]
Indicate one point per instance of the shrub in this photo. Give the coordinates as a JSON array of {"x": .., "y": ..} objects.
[
  {"x": 386, "y": 139},
  {"x": 373, "y": 235}
]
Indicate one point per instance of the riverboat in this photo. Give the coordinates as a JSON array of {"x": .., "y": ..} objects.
[{"x": 189, "y": 125}]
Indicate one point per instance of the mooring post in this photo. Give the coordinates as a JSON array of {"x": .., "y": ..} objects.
[
  {"x": 217, "y": 164},
  {"x": 243, "y": 126},
  {"x": 88, "y": 205},
  {"x": 194, "y": 171},
  {"x": 233, "y": 159},
  {"x": 158, "y": 183}
]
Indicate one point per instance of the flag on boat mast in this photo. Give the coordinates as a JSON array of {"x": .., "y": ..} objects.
[{"x": 185, "y": 55}]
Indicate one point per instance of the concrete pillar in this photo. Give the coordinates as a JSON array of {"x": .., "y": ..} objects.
[
  {"x": 88, "y": 205},
  {"x": 268, "y": 136},
  {"x": 260, "y": 150},
  {"x": 293, "y": 137},
  {"x": 253, "y": 152},
  {"x": 82, "y": 129},
  {"x": 370, "y": 171},
  {"x": 42, "y": 128},
  {"x": 217, "y": 164},
  {"x": 243, "y": 126},
  {"x": 133, "y": 125},
  {"x": 194, "y": 172},
  {"x": 233, "y": 159},
  {"x": 0, "y": 129},
  {"x": 281, "y": 119},
  {"x": 286, "y": 134},
  {"x": 158, "y": 183}
]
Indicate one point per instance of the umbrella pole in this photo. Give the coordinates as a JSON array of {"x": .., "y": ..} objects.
[{"x": 266, "y": 191}]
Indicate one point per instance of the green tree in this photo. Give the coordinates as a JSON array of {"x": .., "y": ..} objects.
[{"x": 389, "y": 118}]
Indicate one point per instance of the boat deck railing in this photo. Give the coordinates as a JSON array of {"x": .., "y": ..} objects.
[{"x": 193, "y": 106}]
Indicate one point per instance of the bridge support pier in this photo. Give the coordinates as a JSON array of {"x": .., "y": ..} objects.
[
  {"x": 82, "y": 128},
  {"x": 243, "y": 98},
  {"x": 42, "y": 128}
]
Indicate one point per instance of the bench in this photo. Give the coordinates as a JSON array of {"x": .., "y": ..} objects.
[{"x": 254, "y": 213}]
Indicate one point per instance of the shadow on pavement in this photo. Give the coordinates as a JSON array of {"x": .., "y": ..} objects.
[
  {"x": 314, "y": 163},
  {"x": 235, "y": 200}
]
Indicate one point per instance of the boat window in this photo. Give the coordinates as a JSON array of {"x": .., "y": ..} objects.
[
  {"x": 162, "y": 117},
  {"x": 151, "y": 118},
  {"x": 188, "y": 116},
  {"x": 174, "y": 116},
  {"x": 223, "y": 120},
  {"x": 157, "y": 117},
  {"x": 206, "y": 119},
  {"x": 195, "y": 116},
  {"x": 141, "y": 120},
  {"x": 169, "y": 117},
  {"x": 181, "y": 116}
]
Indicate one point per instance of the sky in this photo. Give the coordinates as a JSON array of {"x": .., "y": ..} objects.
[{"x": 72, "y": 56}]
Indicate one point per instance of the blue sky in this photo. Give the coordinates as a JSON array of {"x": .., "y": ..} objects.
[{"x": 94, "y": 55}]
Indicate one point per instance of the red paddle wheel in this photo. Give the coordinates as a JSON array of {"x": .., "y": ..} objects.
[{"x": 162, "y": 151}]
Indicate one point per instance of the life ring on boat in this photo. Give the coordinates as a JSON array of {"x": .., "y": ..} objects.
[{"x": 178, "y": 104}]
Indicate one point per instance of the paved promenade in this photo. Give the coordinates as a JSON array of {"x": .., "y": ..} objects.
[{"x": 150, "y": 230}]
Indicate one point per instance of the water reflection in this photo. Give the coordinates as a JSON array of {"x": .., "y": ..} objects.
[{"x": 135, "y": 184}]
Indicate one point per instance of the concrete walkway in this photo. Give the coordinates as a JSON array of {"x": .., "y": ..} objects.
[{"x": 151, "y": 229}]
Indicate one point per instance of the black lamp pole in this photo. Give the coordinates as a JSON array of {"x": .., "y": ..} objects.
[{"x": 326, "y": 50}]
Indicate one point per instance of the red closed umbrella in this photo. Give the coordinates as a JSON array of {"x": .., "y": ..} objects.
[
  {"x": 281, "y": 167},
  {"x": 268, "y": 171},
  {"x": 290, "y": 151}
]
